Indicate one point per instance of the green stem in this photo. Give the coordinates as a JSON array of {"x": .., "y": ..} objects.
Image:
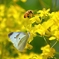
[
  {"x": 45, "y": 40},
  {"x": 54, "y": 44}
]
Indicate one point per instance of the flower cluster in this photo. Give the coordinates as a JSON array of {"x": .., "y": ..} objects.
[{"x": 44, "y": 23}]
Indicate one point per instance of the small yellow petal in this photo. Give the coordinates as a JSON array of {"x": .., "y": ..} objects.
[
  {"x": 23, "y": 0},
  {"x": 52, "y": 38}
]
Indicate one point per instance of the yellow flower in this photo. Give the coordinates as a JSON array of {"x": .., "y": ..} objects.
[
  {"x": 32, "y": 34},
  {"x": 2, "y": 24},
  {"x": 28, "y": 46},
  {"x": 1, "y": 19},
  {"x": 0, "y": 51},
  {"x": 55, "y": 18},
  {"x": 48, "y": 24},
  {"x": 2, "y": 9},
  {"x": 40, "y": 29},
  {"x": 23, "y": 56},
  {"x": 54, "y": 27},
  {"x": 7, "y": 29},
  {"x": 33, "y": 56},
  {"x": 56, "y": 34},
  {"x": 52, "y": 38},
  {"x": 47, "y": 51},
  {"x": 23, "y": 0},
  {"x": 43, "y": 12},
  {"x": 35, "y": 19},
  {"x": 13, "y": 12}
]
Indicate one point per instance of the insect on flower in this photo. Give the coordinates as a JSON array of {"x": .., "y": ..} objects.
[
  {"x": 28, "y": 14},
  {"x": 19, "y": 39}
]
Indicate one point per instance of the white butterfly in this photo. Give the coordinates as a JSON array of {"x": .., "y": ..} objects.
[{"x": 19, "y": 39}]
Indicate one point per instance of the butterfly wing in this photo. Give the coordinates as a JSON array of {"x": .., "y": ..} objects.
[
  {"x": 22, "y": 42},
  {"x": 19, "y": 39}
]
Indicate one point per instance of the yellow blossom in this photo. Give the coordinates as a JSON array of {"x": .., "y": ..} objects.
[
  {"x": 2, "y": 9},
  {"x": 48, "y": 24},
  {"x": 56, "y": 34},
  {"x": 52, "y": 38},
  {"x": 40, "y": 29},
  {"x": 35, "y": 19},
  {"x": 32, "y": 34},
  {"x": 2, "y": 24},
  {"x": 54, "y": 27},
  {"x": 43, "y": 12},
  {"x": 13, "y": 12},
  {"x": 0, "y": 51},
  {"x": 7, "y": 29},
  {"x": 47, "y": 51},
  {"x": 23, "y": 0},
  {"x": 28, "y": 46}
]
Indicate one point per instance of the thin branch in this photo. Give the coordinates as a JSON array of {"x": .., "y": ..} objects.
[{"x": 54, "y": 44}]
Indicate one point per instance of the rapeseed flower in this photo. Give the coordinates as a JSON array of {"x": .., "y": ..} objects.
[{"x": 47, "y": 51}]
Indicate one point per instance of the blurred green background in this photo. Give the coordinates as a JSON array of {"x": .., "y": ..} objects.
[{"x": 33, "y": 4}]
